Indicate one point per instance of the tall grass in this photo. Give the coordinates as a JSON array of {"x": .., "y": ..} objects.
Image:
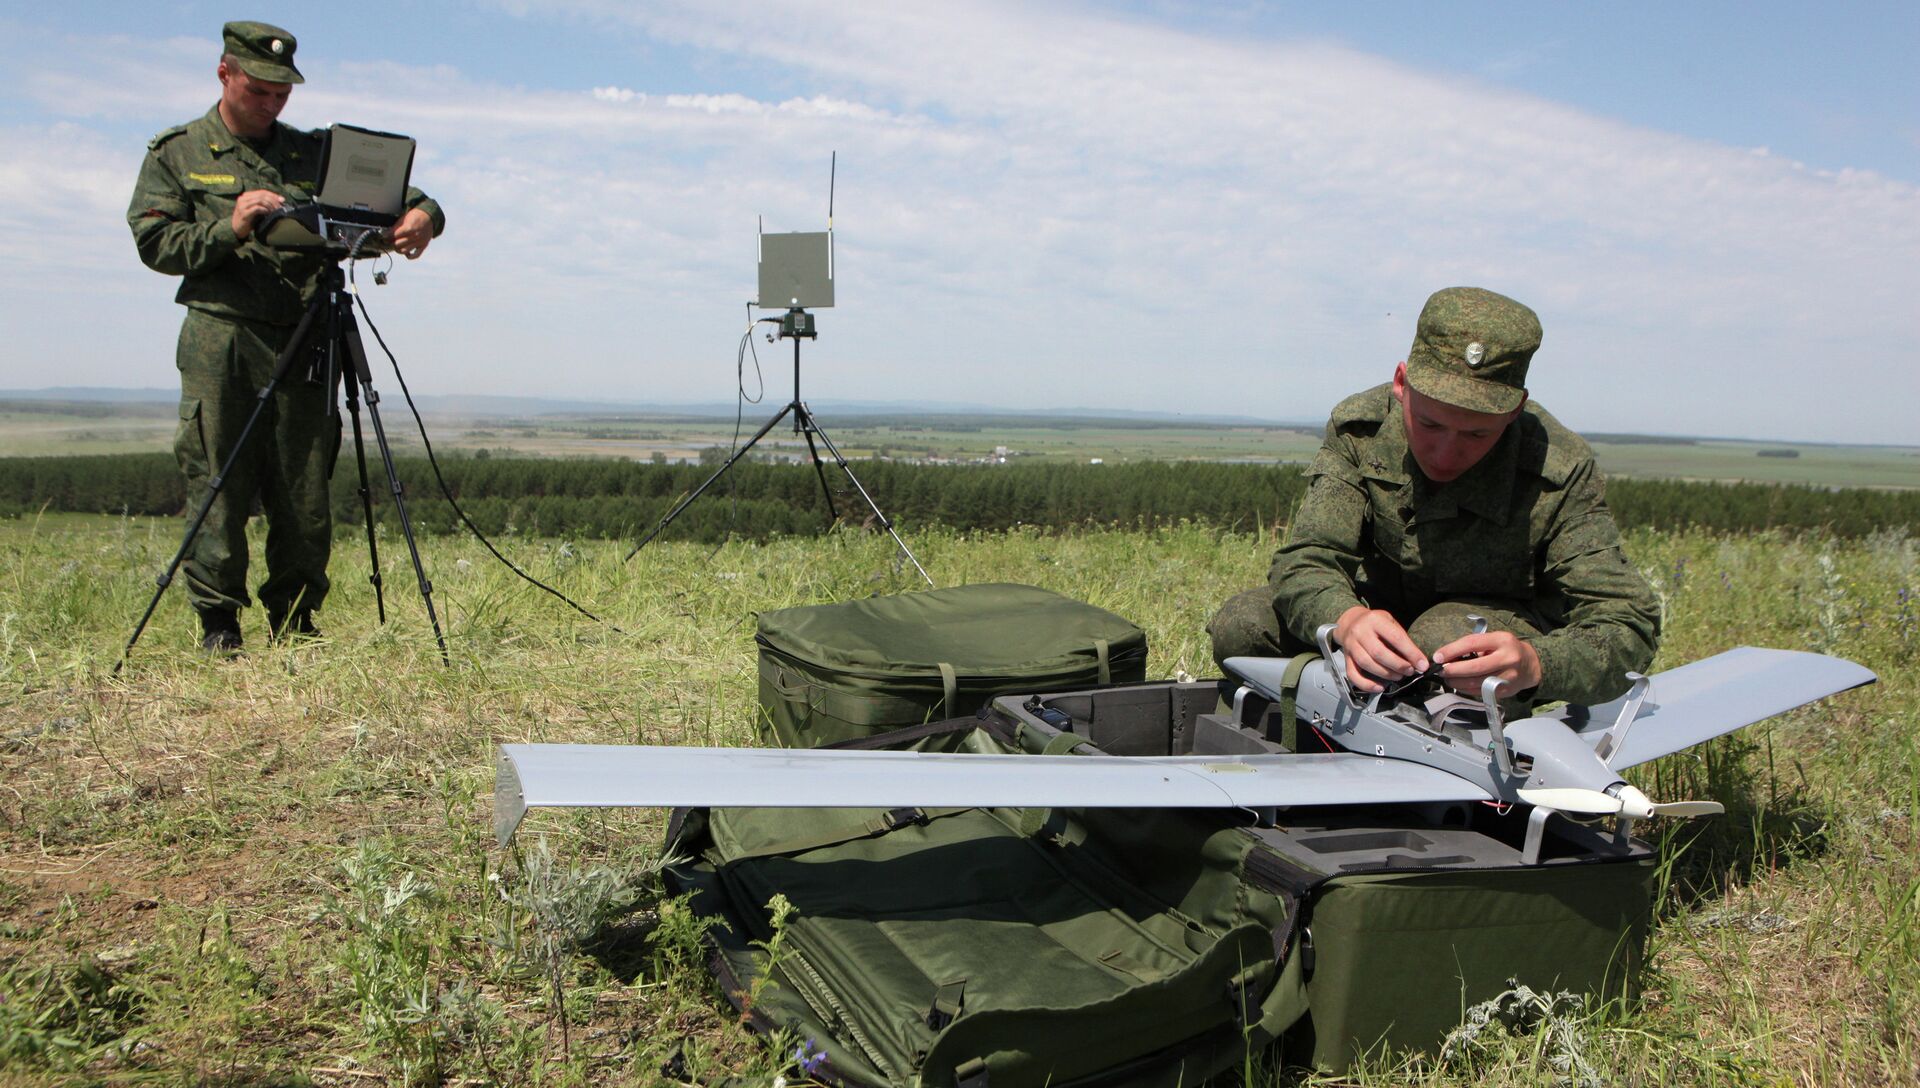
[{"x": 280, "y": 867}]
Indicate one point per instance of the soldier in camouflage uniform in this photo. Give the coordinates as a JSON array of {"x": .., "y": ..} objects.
[
  {"x": 1446, "y": 494},
  {"x": 203, "y": 188}
]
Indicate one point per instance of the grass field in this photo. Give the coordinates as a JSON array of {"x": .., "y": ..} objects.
[
  {"x": 279, "y": 869},
  {"x": 48, "y": 430}
]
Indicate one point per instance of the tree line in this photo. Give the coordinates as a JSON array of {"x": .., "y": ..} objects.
[{"x": 622, "y": 499}]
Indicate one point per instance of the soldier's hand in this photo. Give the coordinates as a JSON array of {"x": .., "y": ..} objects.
[
  {"x": 1467, "y": 661},
  {"x": 1377, "y": 647},
  {"x": 252, "y": 205},
  {"x": 412, "y": 233}
]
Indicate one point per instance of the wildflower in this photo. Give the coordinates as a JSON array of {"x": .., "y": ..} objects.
[{"x": 808, "y": 1057}]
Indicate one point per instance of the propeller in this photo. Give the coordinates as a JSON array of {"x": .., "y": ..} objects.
[
  {"x": 1689, "y": 808},
  {"x": 1634, "y": 805}
]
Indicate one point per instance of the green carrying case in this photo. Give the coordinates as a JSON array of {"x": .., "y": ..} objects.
[
  {"x": 963, "y": 949},
  {"x": 1009, "y": 947},
  {"x": 1002, "y": 948},
  {"x": 1394, "y": 959},
  {"x": 831, "y": 673}
]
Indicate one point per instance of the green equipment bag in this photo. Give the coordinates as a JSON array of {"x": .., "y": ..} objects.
[
  {"x": 1407, "y": 915},
  {"x": 989, "y": 948},
  {"x": 839, "y": 672},
  {"x": 992, "y": 948},
  {"x": 1391, "y": 960}
]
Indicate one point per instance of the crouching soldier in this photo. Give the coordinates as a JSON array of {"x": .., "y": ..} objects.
[{"x": 1445, "y": 494}]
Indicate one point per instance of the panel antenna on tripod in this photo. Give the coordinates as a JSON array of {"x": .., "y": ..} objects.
[{"x": 796, "y": 272}]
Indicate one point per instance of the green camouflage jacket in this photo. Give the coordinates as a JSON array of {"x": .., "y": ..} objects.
[
  {"x": 1528, "y": 525},
  {"x": 182, "y": 218}
]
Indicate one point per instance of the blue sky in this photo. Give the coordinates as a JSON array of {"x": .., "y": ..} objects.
[{"x": 1211, "y": 208}]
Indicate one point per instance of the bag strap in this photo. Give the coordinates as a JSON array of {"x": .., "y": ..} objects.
[
  {"x": 948, "y": 1002},
  {"x": 949, "y": 689},
  {"x": 1062, "y": 743},
  {"x": 1032, "y": 820},
  {"x": 1289, "y": 700},
  {"x": 1102, "y": 654}
]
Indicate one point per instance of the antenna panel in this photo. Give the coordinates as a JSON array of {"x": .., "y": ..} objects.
[{"x": 796, "y": 270}]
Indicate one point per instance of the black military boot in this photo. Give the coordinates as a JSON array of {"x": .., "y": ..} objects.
[
  {"x": 219, "y": 630},
  {"x": 297, "y": 625}
]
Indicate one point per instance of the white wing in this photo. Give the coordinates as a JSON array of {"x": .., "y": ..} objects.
[
  {"x": 619, "y": 776},
  {"x": 1719, "y": 694}
]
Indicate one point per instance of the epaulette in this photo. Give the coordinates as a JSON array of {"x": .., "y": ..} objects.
[
  {"x": 1560, "y": 451},
  {"x": 154, "y": 144},
  {"x": 1362, "y": 412}
]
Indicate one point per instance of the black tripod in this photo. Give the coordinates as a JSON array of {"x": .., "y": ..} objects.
[
  {"x": 797, "y": 325},
  {"x": 339, "y": 357}
]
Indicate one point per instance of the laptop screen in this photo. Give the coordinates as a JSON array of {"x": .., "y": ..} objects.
[{"x": 363, "y": 174}]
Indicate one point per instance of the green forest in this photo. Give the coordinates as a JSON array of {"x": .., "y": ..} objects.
[{"x": 754, "y": 500}]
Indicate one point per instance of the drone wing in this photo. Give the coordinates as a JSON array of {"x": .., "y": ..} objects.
[
  {"x": 1719, "y": 694},
  {"x": 628, "y": 776}
]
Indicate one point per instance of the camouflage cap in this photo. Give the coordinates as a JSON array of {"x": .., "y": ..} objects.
[
  {"x": 263, "y": 51},
  {"x": 1471, "y": 349}
]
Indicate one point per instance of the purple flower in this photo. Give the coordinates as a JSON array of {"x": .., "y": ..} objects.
[{"x": 808, "y": 1058}]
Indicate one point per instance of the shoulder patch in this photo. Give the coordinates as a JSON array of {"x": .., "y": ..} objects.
[{"x": 154, "y": 144}]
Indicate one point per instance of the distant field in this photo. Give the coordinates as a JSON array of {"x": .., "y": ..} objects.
[
  {"x": 35, "y": 430},
  {"x": 1760, "y": 462},
  {"x": 46, "y": 428}
]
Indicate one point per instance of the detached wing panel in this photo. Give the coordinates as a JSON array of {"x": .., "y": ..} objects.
[
  {"x": 624, "y": 776},
  {"x": 1722, "y": 693}
]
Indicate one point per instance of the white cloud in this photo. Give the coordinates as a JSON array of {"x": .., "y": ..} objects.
[{"x": 1053, "y": 207}]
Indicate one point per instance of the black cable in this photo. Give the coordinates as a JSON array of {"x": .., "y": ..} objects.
[
  {"x": 740, "y": 370},
  {"x": 421, "y": 425},
  {"x": 1431, "y": 672},
  {"x": 740, "y": 402}
]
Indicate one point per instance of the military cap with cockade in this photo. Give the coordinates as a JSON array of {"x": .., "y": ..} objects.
[
  {"x": 1471, "y": 349},
  {"x": 263, "y": 51}
]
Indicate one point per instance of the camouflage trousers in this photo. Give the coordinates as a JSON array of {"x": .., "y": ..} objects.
[
  {"x": 284, "y": 466},
  {"x": 1248, "y": 626}
]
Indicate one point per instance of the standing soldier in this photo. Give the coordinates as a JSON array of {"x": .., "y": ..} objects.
[
  {"x": 203, "y": 188},
  {"x": 1446, "y": 494}
]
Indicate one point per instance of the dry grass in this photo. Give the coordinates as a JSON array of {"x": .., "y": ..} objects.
[{"x": 279, "y": 869}]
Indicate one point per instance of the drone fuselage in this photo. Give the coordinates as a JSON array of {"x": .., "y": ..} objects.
[{"x": 1541, "y": 753}]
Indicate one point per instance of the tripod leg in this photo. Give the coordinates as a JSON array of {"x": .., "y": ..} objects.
[
  {"x": 351, "y": 380},
  {"x": 280, "y": 368},
  {"x": 357, "y": 358},
  {"x": 819, "y": 469},
  {"x": 709, "y": 481},
  {"x": 885, "y": 522}
]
